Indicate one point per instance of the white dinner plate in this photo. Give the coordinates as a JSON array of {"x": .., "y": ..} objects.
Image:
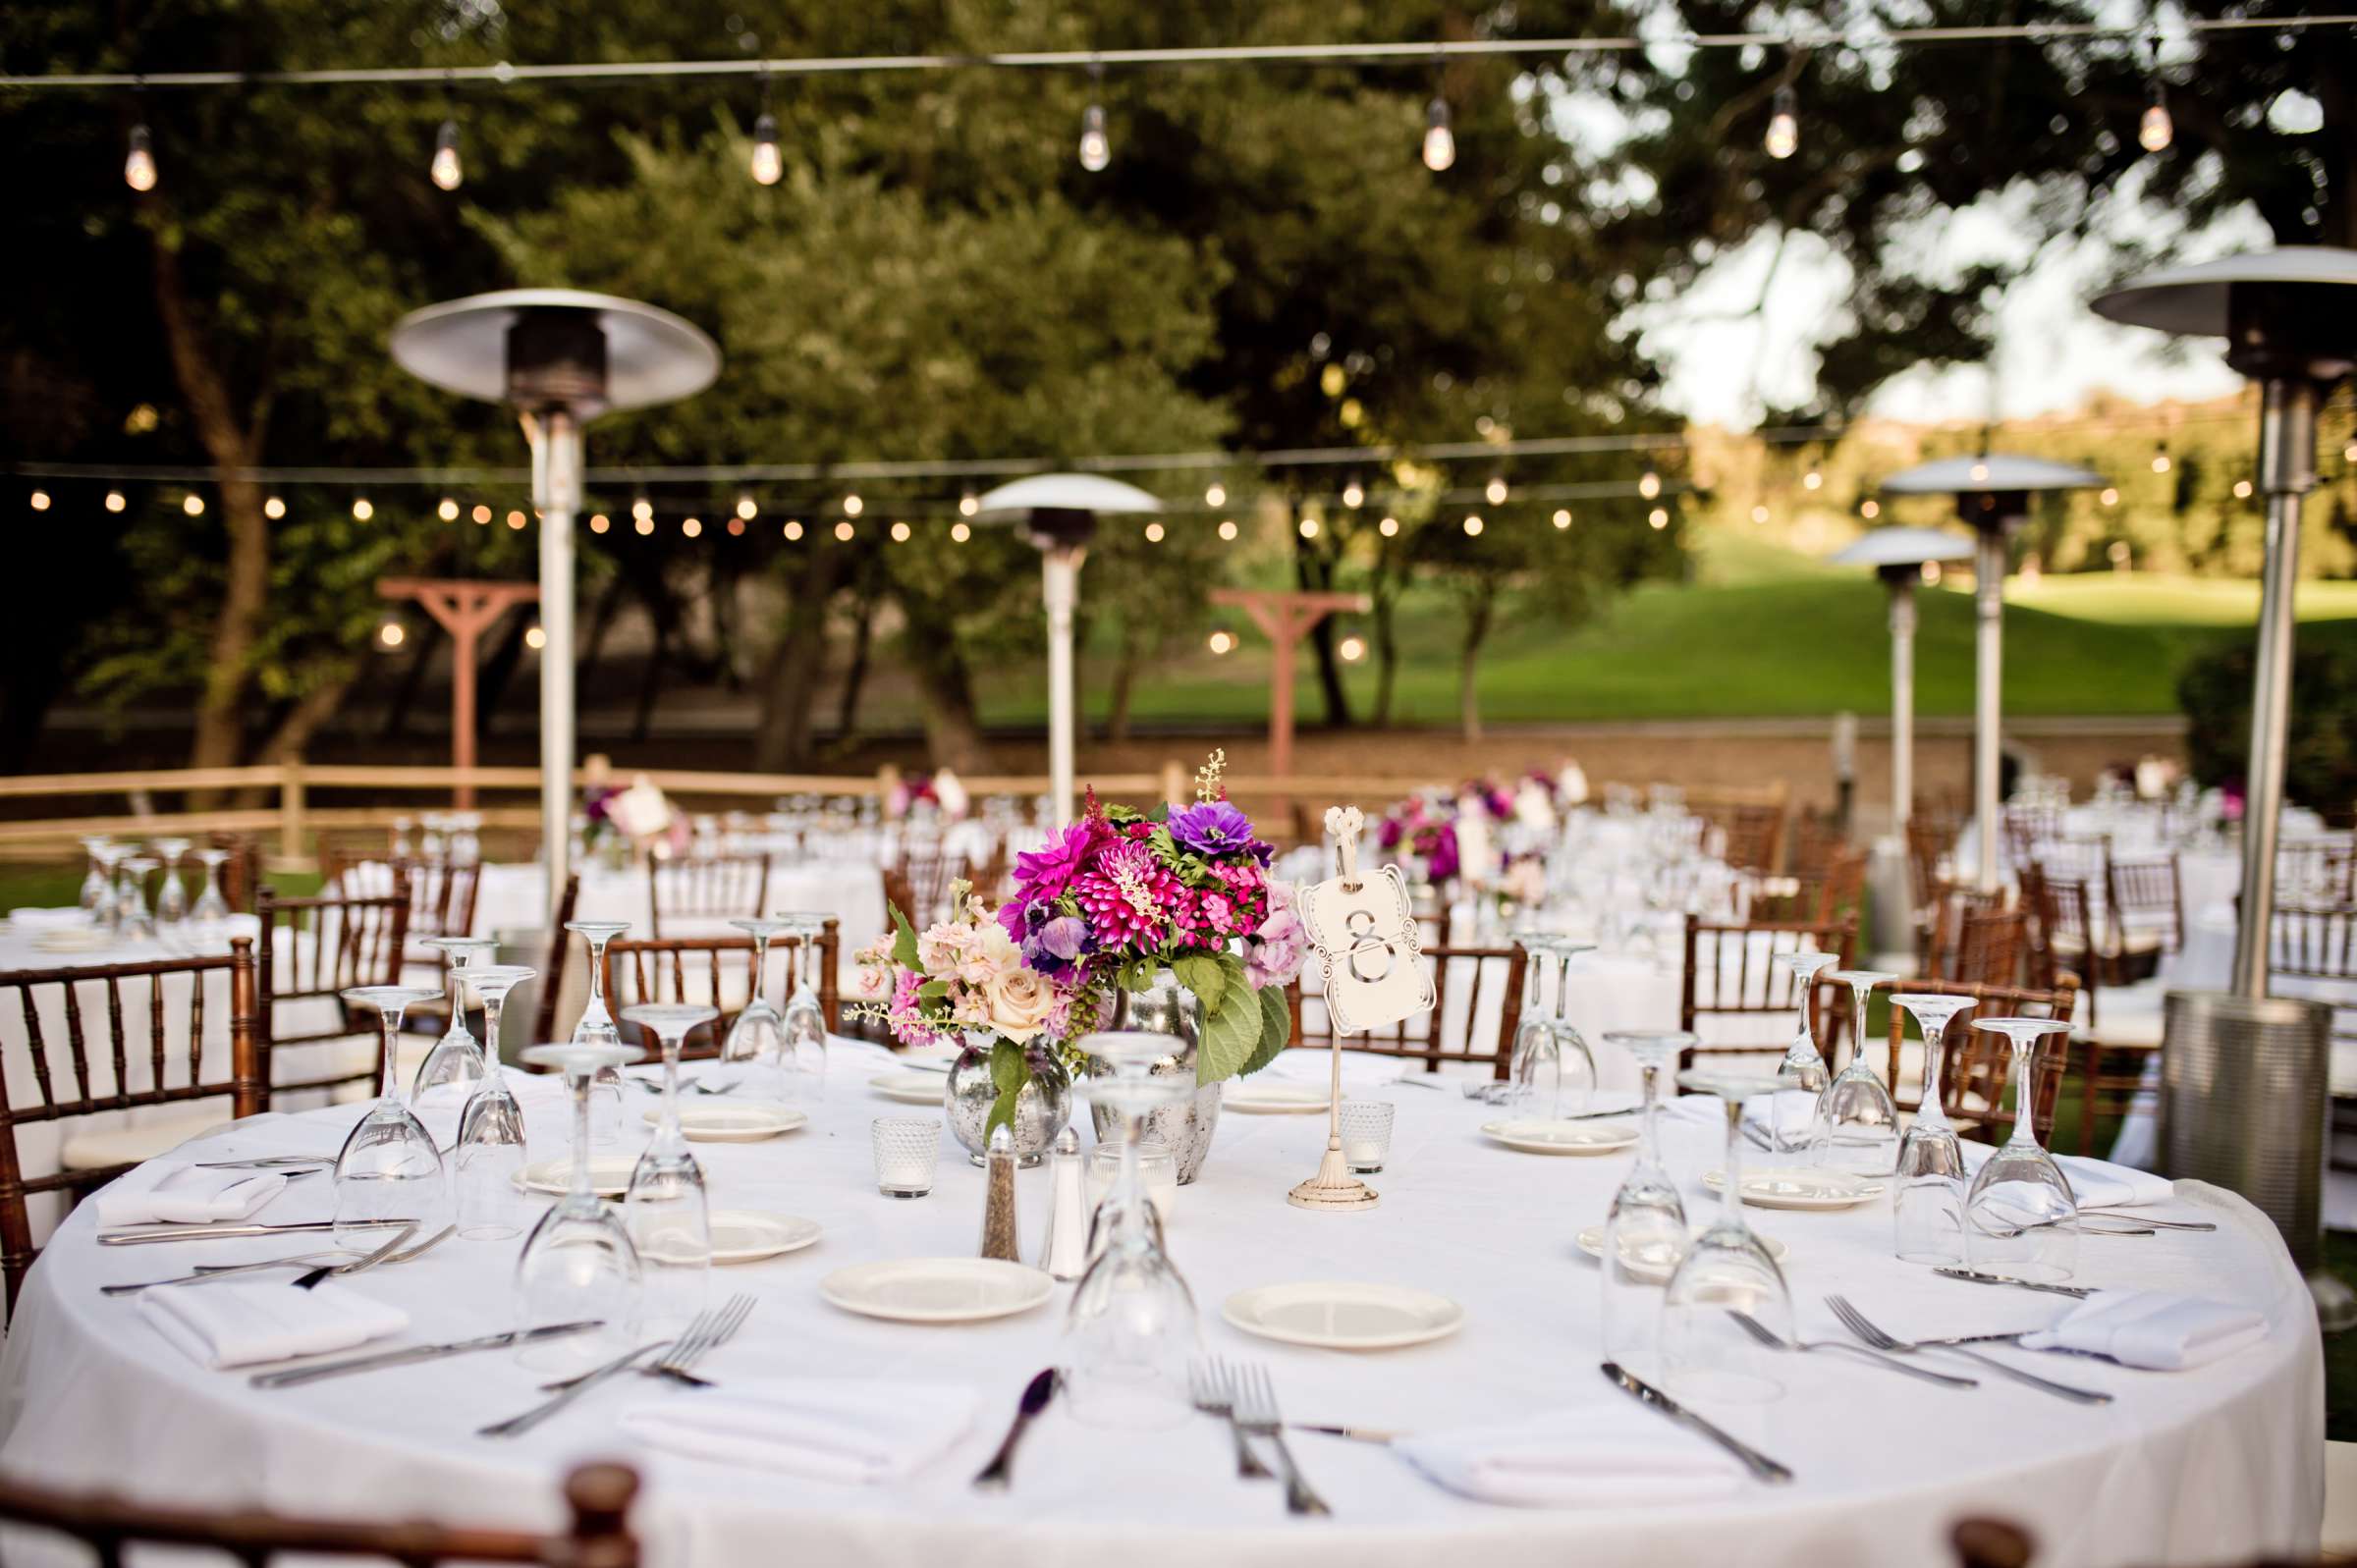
[
  {"x": 747, "y": 1235},
  {"x": 609, "y": 1174},
  {"x": 1344, "y": 1315},
  {"x": 1654, "y": 1265},
  {"x": 1274, "y": 1099},
  {"x": 910, "y": 1088},
  {"x": 1541, "y": 1137},
  {"x": 1799, "y": 1189},
  {"x": 74, "y": 939},
  {"x": 937, "y": 1289},
  {"x": 732, "y": 1120}
]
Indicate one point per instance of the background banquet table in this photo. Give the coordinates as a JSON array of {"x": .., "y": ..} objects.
[{"x": 2219, "y": 1464}]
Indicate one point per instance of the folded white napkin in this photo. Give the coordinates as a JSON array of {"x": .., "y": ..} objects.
[
  {"x": 34, "y": 919},
  {"x": 177, "y": 1193},
  {"x": 2152, "y": 1328},
  {"x": 238, "y": 1324},
  {"x": 1595, "y": 1455},
  {"x": 2095, "y": 1184},
  {"x": 847, "y": 1430}
]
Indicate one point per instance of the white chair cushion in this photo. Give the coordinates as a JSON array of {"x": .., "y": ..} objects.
[
  {"x": 131, "y": 1146},
  {"x": 2127, "y": 1029}
]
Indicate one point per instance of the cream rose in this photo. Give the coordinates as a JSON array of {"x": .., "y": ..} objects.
[{"x": 1021, "y": 1000}]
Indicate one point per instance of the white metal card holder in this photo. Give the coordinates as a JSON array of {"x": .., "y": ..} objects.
[{"x": 1364, "y": 931}]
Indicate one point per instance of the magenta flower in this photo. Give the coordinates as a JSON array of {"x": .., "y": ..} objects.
[{"x": 1047, "y": 872}]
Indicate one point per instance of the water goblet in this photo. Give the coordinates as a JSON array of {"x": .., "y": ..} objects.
[
  {"x": 98, "y": 882},
  {"x": 454, "y": 1068},
  {"x": 211, "y": 908},
  {"x": 578, "y": 1265},
  {"x": 1645, "y": 1228},
  {"x": 665, "y": 1206},
  {"x": 130, "y": 897},
  {"x": 1130, "y": 1330},
  {"x": 755, "y": 1051},
  {"x": 388, "y": 1168},
  {"x": 1575, "y": 1062},
  {"x": 1861, "y": 1123},
  {"x": 2020, "y": 1215},
  {"x": 1534, "y": 1067},
  {"x": 804, "y": 1057},
  {"x": 1928, "y": 1207},
  {"x": 1795, "y": 1126},
  {"x": 488, "y": 1158},
  {"x": 171, "y": 899},
  {"x": 1705, "y": 1353},
  {"x": 596, "y": 1028}
]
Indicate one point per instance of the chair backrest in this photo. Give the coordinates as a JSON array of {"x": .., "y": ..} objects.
[
  {"x": 2027, "y": 826},
  {"x": 1989, "y": 947},
  {"x": 83, "y": 1036},
  {"x": 1974, "y": 1062},
  {"x": 1817, "y": 841},
  {"x": 1951, "y": 904},
  {"x": 1755, "y": 834},
  {"x": 597, "y": 1535},
  {"x": 552, "y": 968},
  {"x": 1836, "y": 891},
  {"x": 239, "y": 879},
  {"x": 1929, "y": 842},
  {"x": 706, "y": 888},
  {"x": 313, "y": 950},
  {"x": 1730, "y": 972},
  {"x": 2314, "y": 941},
  {"x": 1466, "y": 983},
  {"x": 714, "y": 971},
  {"x": 2146, "y": 897}
]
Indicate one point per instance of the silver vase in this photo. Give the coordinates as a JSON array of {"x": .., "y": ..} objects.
[
  {"x": 1041, "y": 1110},
  {"x": 1167, "y": 1007}
]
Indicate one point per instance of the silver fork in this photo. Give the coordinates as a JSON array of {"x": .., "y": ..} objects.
[
  {"x": 1207, "y": 1385},
  {"x": 206, "y": 1274},
  {"x": 1857, "y": 1324},
  {"x": 516, "y": 1425},
  {"x": 1776, "y": 1341},
  {"x": 1255, "y": 1405},
  {"x": 382, "y": 1255},
  {"x": 697, "y": 1338}
]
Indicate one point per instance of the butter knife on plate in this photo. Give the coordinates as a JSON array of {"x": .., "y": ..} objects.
[
  {"x": 410, "y": 1355},
  {"x": 1759, "y": 1464}
]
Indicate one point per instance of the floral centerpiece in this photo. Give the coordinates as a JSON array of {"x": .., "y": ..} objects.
[{"x": 642, "y": 816}]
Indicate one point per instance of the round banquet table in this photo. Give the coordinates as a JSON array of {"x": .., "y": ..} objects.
[{"x": 2222, "y": 1463}]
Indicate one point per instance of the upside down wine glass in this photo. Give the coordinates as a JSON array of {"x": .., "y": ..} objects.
[
  {"x": 578, "y": 1265},
  {"x": 171, "y": 899},
  {"x": 665, "y": 1207},
  {"x": 1705, "y": 1352},
  {"x": 1795, "y": 1125},
  {"x": 755, "y": 1051},
  {"x": 97, "y": 884},
  {"x": 1861, "y": 1122},
  {"x": 488, "y": 1156},
  {"x": 804, "y": 1056},
  {"x": 388, "y": 1168},
  {"x": 1928, "y": 1208},
  {"x": 1130, "y": 1330},
  {"x": 1645, "y": 1229},
  {"x": 131, "y": 904},
  {"x": 1535, "y": 1064},
  {"x": 210, "y": 908},
  {"x": 1575, "y": 1062},
  {"x": 2020, "y": 1215},
  {"x": 454, "y": 1068},
  {"x": 596, "y": 1028}
]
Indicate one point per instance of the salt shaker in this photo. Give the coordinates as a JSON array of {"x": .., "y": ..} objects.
[
  {"x": 998, "y": 1214},
  {"x": 1063, "y": 1250}
]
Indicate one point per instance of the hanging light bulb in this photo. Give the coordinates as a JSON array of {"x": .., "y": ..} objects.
[
  {"x": 40, "y": 501},
  {"x": 1389, "y": 528},
  {"x": 736, "y": 528},
  {"x": 693, "y": 527},
  {"x": 1352, "y": 649},
  {"x": 2161, "y": 457},
  {"x": 960, "y": 531},
  {"x": 2155, "y": 130},
  {"x": 899, "y": 533},
  {"x": 448, "y": 512},
  {"x": 768, "y": 164},
  {"x": 391, "y": 635},
  {"x": 1354, "y": 495},
  {"x": 852, "y": 506},
  {"x": 1870, "y": 509},
  {"x": 193, "y": 505},
  {"x": 793, "y": 529},
  {"x": 1440, "y": 143},
  {"x": 516, "y": 521},
  {"x": 2109, "y": 497},
  {"x": 1215, "y": 494},
  {"x": 1495, "y": 490},
  {"x": 1783, "y": 124},
  {"x": 2242, "y": 490},
  {"x": 139, "y": 166},
  {"x": 1222, "y": 640},
  {"x": 536, "y": 638},
  {"x": 1227, "y": 529},
  {"x": 362, "y": 509},
  {"x": 747, "y": 508},
  {"x": 1563, "y": 518},
  {"x": 1309, "y": 527},
  {"x": 843, "y": 530},
  {"x": 642, "y": 509},
  {"x": 1759, "y": 514},
  {"x": 114, "y": 501},
  {"x": 1649, "y": 484},
  {"x": 1473, "y": 527},
  {"x": 1658, "y": 519},
  {"x": 445, "y": 169},
  {"x": 1096, "y": 148},
  {"x": 1154, "y": 533},
  {"x": 1813, "y": 479},
  {"x": 481, "y": 512},
  {"x": 968, "y": 503},
  {"x": 642, "y": 526},
  {"x": 599, "y": 523}
]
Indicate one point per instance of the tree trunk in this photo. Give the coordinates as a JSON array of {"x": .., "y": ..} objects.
[
  {"x": 312, "y": 710},
  {"x": 412, "y": 678},
  {"x": 953, "y": 727},
  {"x": 1387, "y": 651},
  {"x": 650, "y": 681},
  {"x": 233, "y": 444},
  {"x": 1315, "y": 572},
  {"x": 1124, "y": 685},
  {"x": 1468, "y": 665},
  {"x": 854, "y": 674},
  {"x": 790, "y": 676}
]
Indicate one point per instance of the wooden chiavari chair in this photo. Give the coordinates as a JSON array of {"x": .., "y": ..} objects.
[
  {"x": 552, "y": 968},
  {"x": 706, "y": 888},
  {"x": 1943, "y": 936},
  {"x": 2319, "y": 942},
  {"x": 597, "y": 1535},
  {"x": 1989, "y": 947},
  {"x": 240, "y": 873},
  {"x": 1817, "y": 843},
  {"x": 709, "y": 971},
  {"x": 1837, "y": 893},
  {"x": 312, "y": 950},
  {"x": 1974, "y": 1063},
  {"x": 1730, "y": 973},
  {"x": 2144, "y": 899},
  {"x": 1755, "y": 834},
  {"x": 88, "y": 1020},
  {"x": 2029, "y": 826},
  {"x": 1475, "y": 975},
  {"x": 918, "y": 878}
]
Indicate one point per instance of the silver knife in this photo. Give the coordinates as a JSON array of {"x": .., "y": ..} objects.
[
  {"x": 409, "y": 1355},
  {"x": 135, "y": 1238},
  {"x": 1645, "y": 1393},
  {"x": 2075, "y": 1292}
]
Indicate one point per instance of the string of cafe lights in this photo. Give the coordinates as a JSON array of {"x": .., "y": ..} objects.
[{"x": 1437, "y": 146}]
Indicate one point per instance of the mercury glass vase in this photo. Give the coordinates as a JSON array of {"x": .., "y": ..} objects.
[
  {"x": 1186, "y": 1128},
  {"x": 1041, "y": 1108}
]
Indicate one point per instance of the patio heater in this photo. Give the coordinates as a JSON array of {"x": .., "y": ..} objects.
[
  {"x": 1059, "y": 512},
  {"x": 1897, "y": 557},
  {"x": 559, "y": 358},
  {"x": 1993, "y": 496},
  {"x": 2245, "y": 1075}
]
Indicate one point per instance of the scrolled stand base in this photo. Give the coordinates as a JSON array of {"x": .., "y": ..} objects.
[{"x": 1334, "y": 1187}]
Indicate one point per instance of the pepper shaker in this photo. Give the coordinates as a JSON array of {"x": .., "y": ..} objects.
[{"x": 998, "y": 1214}]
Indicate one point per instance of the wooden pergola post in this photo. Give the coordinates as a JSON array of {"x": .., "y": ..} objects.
[
  {"x": 466, "y": 610},
  {"x": 1287, "y": 616}
]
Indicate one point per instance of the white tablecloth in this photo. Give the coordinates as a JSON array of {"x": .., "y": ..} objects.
[
  {"x": 2216, "y": 1465},
  {"x": 515, "y": 897}
]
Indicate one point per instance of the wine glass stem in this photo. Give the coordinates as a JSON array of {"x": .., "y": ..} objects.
[
  {"x": 1932, "y": 1112},
  {"x": 1858, "y": 998},
  {"x": 598, "y": 975},
  {"x": 760, "y": 969},
  {"x": 1650, "y": 1075},
  {"x": 1132, "y": 1222},
  {"x": 454, "y": 990},
  {"x": 2024, "y": 1130},
  {"x": 1732, "y": 1205},
  {"x": 388, "y": 1024},
  {"x": 491, "y": 1009},
  {"x": 670, "y": 1087},
  {"x": 580, "y": 1083}
]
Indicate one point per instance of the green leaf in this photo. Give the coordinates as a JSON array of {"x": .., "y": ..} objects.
[
  {"x": 1160, "y": 811},
  {"x": 1010, "y": 1069},
  {"x": 1229, "y": 1036},
  {"x": 1202, "y": 974},
  {"x": 903, "y": 942},
  {"x": 1276, "y": 1027},
  {"x": 933, "y": 990}
]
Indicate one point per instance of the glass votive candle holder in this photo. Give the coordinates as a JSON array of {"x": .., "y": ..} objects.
[
  {"x": 1157, "y": 1174},
  {"x": 907, "y": 1152},
  {"x": 1366, "y": 1128}
]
